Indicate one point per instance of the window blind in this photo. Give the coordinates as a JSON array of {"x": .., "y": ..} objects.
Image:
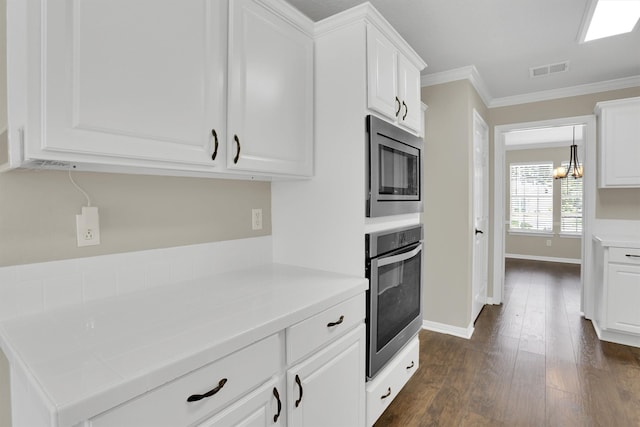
[
  {"x": 571, "y": 204},
  {"x": 531, "y": 201}
]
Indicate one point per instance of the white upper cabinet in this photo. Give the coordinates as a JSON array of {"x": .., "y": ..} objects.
[
  {"x": 393, "y": 81},
  {"x": 152, "y": 86},
  {"x": 270, "y": 93},
  {"x": 619, "y": 142},
  {"x": 409, "y": 94},
  {"x": 382, "y": 70},
  {"x": 133, "y": 80}
]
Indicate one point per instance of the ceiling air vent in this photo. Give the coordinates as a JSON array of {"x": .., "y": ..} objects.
[{"x": 544, "y": 70}]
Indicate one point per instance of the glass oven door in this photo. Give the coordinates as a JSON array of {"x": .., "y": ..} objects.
[{"x": 395, "y": 314}]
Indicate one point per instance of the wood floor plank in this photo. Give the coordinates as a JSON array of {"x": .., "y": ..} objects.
[
  {"x": 564, "y": 409},
  {"x": 533, "y": 361}
]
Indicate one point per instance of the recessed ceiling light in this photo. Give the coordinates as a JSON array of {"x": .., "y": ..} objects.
[{"x": 610, "y": 17}]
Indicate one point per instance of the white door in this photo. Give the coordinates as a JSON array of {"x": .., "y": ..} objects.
[
  {"x": 409, "y": 94},
  {"x": 135, "y": 79},
  {"x": 623, "y": 298},
  {"x": 327, "y": 389},
  {"x": 263, "y": 407},
  {"x": 270, "y": 123},
  {"x": 382, "y": 74},
  {"x": 480, "y": 214}
]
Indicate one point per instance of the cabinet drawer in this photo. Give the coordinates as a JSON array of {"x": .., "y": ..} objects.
[
  {"x": 306, "y": 336},
  {"x": 168, "y": 406},
  {"x": 387, "y": 384},
  {"x": 625, "y": 255}
]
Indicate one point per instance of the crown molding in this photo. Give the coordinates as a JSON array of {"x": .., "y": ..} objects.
[
  {"x": 463, "y": 73},
  {"x": 471, "y": 73},
  {"x": 290, "y": 14},
  {"x": 367, "y": 13},
  {"x": 566, "y": 92}
]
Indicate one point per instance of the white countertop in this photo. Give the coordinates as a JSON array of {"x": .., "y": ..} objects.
[
  {"x": 620, "y": 241},
  {"x": 91, "y": 357}
]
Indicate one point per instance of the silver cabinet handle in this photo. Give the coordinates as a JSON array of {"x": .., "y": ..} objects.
[{"x": 401, "y": 257}]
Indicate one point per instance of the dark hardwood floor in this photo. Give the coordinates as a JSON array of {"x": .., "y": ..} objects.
[{"x": 533, "y": 361}]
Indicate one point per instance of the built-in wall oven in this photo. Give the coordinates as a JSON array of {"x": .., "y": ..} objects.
[
  {"x": 394, "y": 170},
  {"x": 394, "y": 270}
]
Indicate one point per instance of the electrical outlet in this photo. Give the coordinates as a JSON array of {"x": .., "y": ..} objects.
[
  {"x": 548, "y": 242},
  {"x": 256, "y": 219},
  {"x": 88, "y": 227}
]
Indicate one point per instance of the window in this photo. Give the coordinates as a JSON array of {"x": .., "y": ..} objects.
[
  {"x": 531, "y": 197},
  {"x": 570, "y": 204}
]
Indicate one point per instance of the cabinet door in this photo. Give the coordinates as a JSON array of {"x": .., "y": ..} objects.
[
  {"x": 270, "y": 124},
  {"x": 619, "y": 147},
  {"x": 264, "y": 407},
  {"x": 327, "y": 389},
  {"x": 409, "y": 95},
  {"x": 134, "y": 79},
  {"x": 623, "y": 298},
  {"x": 382, "y": 77}
]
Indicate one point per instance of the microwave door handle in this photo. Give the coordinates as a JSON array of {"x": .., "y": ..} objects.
[{"x": 400, "y": 257}]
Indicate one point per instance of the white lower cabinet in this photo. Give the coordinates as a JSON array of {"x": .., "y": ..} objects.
[
  {"x": 263, "y": 407},
  {"x": 202, "y": 392},
  {"x": 387, "y": 384},
  {"x": 617, "y": 292},
  {"x": 327, "y": 389},
  {"x": 324, "y": 369},
  {"x": 623, "y": 292}
]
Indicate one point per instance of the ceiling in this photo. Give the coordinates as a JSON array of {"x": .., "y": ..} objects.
[{"x": 503, "y": 39}]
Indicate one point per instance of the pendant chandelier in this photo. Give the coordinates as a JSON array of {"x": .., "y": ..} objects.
[{"x": 575, "y": 169}]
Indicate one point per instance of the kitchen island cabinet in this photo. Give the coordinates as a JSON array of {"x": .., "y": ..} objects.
[
  {"x": 617, "y": 289},
  {"x": 142, "y": 88},
  {"x": 205, "y": 351}
]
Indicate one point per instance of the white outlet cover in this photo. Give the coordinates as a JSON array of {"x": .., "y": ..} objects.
[
  {"x": 88, "y": 227},
  {"x": 256, "y": 219}
]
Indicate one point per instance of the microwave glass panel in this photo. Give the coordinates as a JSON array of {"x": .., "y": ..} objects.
[{"x": 398, "y": 172}]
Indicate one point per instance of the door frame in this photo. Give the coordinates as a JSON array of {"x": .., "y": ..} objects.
[
  {"x": 588, "y": 203},
  {"x": 481, "y": 125}
]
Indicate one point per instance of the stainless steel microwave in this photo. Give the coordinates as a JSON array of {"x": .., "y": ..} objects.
[{"x": 394, "y": 170}]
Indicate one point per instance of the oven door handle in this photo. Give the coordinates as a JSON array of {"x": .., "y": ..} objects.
[{"x": 402, "y": 256}]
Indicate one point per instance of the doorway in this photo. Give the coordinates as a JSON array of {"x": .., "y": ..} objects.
[{"x": 503, "y": 135}]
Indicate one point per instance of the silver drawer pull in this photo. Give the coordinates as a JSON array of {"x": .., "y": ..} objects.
[{"x": 632, "y": 256}]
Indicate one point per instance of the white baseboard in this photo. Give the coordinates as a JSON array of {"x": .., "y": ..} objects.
[
  {"x": 616, "y": 337},
  {"x": 491, "y": 301},
  {"x": 545, "y": 258},
  {"x": 443, "y": 328}
]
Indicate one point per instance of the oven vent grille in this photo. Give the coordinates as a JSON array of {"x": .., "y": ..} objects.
[{"x": 545, "y": 70}]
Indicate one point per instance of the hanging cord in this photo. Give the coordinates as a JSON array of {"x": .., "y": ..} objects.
[{"x": 78, "y": 188}]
